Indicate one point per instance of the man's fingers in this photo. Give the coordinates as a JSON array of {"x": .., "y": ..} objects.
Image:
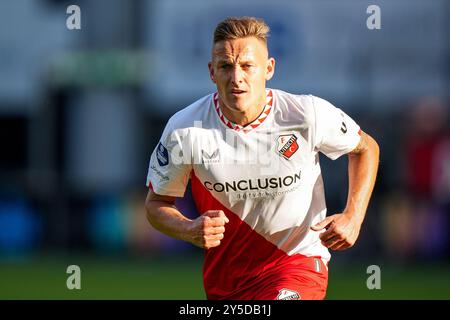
[
  {"x": 212, "y": 232},
  {"x": 217, "y": 230},
  {"x": 330, "y": 233},
  {"x": 218, "y": 222},
  {"x": 322, "y": 224},
  {"x": 215, "y": 222},
  {"x": 339, "y": 246},
  {"x": 216, "y": 214},
  {"x": 225, "y": 217},
  {"x": 331, "y": 242},
  {"x": 211, "y": 243},
  {"x": 213, "y": 228},
  {"x": 214, "y": 244},
  {"x": 214, "y": 237},
  {"x": 222, "y": 215}
]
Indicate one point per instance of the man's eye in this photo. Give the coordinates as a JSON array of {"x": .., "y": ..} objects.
[
  {"x": 247, "y": 66},
  {"x": 225, "y": 66}
]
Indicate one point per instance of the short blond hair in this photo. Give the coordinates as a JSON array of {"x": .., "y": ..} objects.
[{"x": 241, "y": 27}]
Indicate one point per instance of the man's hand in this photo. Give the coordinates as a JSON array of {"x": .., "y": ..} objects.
[
  {"x": 207, "y": 230},
  {"x": 341, "y": 231}
]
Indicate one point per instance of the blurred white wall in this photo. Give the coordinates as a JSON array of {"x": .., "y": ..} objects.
[{"x": 322, "y": 47}]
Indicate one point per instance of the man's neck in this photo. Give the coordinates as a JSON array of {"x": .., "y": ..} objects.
[{"x": 246, "y": 117}]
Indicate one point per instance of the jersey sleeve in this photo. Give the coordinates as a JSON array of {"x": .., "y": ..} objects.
[
  {"x": 336, "y": 133},
  {"x": 168, "y": 170}
]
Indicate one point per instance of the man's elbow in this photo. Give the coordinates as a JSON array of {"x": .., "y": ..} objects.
[
  {"x": 374, "y": 147},
  {"x": 150, "y": 210},
  {"x": 153, "y": 205},
  {"x": 367, "y": 147}
]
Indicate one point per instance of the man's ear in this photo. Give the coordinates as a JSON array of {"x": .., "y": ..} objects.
[
  {"x": 211, "y": 72},
  {"x": 270, "y": 68}
]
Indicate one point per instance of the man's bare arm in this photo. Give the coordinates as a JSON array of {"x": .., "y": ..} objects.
[
  {"x": 343, "y": 229},
  {"x": 206, "y": 231},
  {"x": 362, "y": 172}
]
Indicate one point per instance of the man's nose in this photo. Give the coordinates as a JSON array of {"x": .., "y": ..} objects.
[{"x": 237, "y": 75}]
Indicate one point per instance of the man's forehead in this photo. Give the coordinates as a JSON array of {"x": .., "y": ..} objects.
[{"x": 247, "y": 47}]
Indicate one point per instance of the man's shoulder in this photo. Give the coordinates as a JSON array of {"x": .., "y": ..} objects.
[
  {"x": 295, "y": 99},
  {"x": 187, "y": 116},
  {"x": 295, "y": 104}
]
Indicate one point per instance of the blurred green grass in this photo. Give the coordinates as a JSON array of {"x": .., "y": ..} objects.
[{"x": 180, "y": 278}]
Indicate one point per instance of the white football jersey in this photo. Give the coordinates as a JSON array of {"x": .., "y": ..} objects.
[{"x": 265, "y": 176}]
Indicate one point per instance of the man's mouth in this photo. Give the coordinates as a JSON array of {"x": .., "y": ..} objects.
[{"x": 237, "y": 92}]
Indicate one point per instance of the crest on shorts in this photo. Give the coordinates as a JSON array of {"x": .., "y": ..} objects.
[
  {"x": 287, "y": 145},
  {"x": 286, "y": 294}
]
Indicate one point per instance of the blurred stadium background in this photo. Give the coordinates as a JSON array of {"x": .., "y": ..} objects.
[{"x": 81, "y": 111}]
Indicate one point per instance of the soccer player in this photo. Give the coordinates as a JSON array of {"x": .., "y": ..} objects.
[{"x": 251, "y": 154}]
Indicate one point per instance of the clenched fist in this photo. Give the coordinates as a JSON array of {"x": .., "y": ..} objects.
[{"x": 207, "y": 230}]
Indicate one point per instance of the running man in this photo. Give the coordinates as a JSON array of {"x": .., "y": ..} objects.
[{"x": 251, "y": 154}]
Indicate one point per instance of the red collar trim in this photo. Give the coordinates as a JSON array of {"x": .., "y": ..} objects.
[{"x": 250, "y": 126}]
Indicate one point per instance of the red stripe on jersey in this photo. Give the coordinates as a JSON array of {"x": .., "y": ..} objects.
[{"x": 244, "y": 258}]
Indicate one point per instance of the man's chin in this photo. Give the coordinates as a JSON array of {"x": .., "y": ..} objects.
[
  {"x": 237, "y": 107},
  {"x": 238, "y": 104}
]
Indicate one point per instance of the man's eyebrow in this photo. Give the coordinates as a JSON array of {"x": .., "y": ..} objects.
[{"x": 224, "y": 61}]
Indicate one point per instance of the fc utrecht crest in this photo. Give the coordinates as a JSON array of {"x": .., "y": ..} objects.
[{"x": 287, "y": 145}]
